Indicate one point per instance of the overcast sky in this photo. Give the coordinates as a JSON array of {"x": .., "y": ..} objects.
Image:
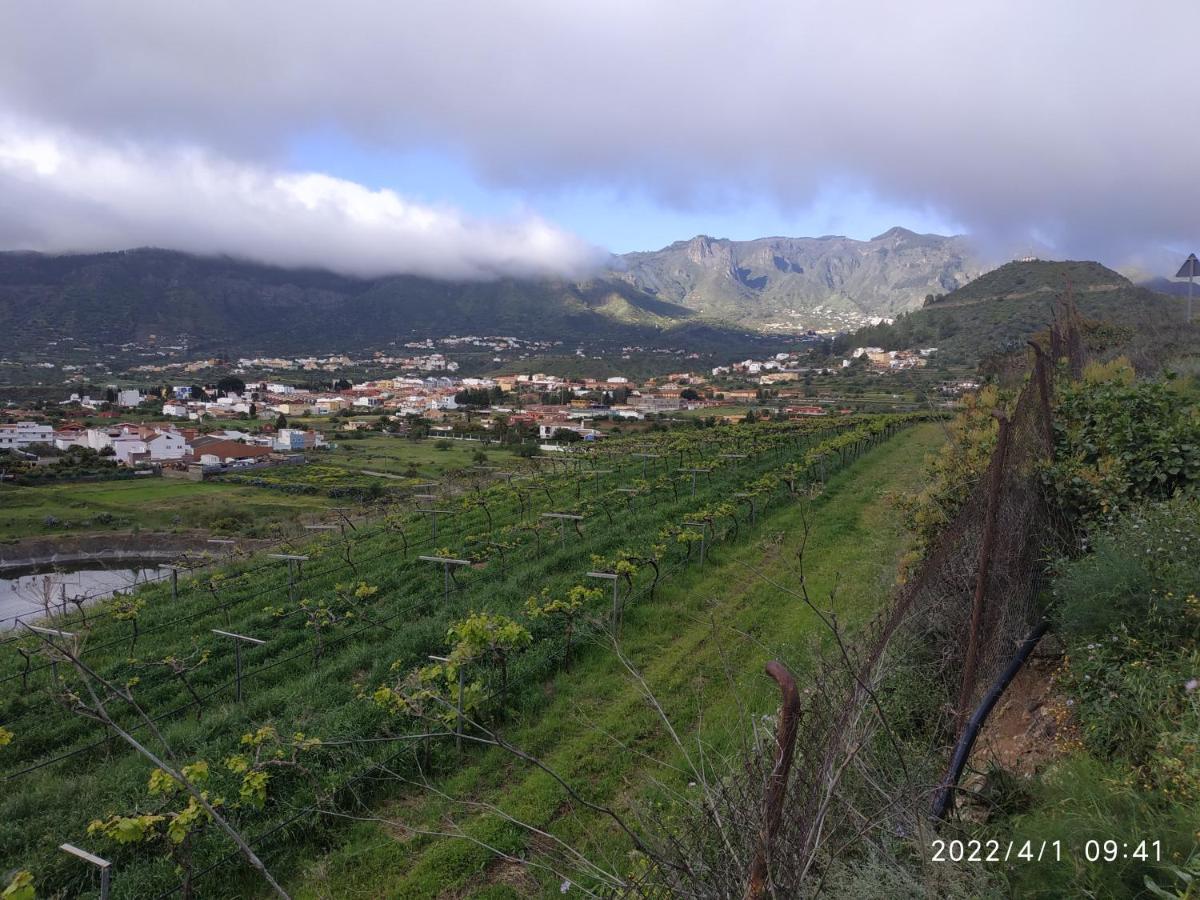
[{"x": 469, "y": 139}]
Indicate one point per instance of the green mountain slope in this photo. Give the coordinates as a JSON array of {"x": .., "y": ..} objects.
[
  {"x": 224, "y": 305},
  {"x": 1002, "y": 309},
  {"x": 802, "y": 282}
]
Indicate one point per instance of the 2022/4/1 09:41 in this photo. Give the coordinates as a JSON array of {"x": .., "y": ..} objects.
[{"x": 996, "y": 851}]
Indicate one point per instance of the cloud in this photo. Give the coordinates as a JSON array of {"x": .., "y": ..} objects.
[
  {"x": 60, "y": 194},
  {"x": 1073, "y": 121}
]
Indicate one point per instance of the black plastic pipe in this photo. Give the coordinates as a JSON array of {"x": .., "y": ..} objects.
[{"x": 966, "y": 742}]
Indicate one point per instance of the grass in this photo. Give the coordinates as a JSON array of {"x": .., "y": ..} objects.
[
  {"x": 375, "y": 463},
  {"x": 152, "y": 504},
  {"x": 728, "y": 617},
  {"x": 165, "y": 504},
  {"x": 395, "y": 455}
]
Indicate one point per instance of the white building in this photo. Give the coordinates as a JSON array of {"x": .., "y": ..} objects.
[
  {"x": 167, "y": 445},
  {"x": 288, "y": 439},
  {"x": 23, "y": 434},
  {"x": 98, "y": 438},
  {"x": 129, "y": 398},
  {"x": 129, "y": 448}
]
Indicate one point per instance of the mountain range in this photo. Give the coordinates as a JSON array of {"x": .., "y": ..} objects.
[
  {"x": 784, "y": 283},
  {"x": 703, "y": 294},
  {"x": 226, "y": 306}
]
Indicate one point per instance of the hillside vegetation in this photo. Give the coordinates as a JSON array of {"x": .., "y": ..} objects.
[
  {"x": 221, "y": 305},
  {"x": 1001, "y": 310}
]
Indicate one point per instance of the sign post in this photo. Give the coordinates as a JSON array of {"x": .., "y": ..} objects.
[{"x": 1190, "y": 269}]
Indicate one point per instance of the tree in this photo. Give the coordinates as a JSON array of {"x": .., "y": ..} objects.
[
  {"x": 230, "y": 384},
  {"x": 689, "y": 394},
  {"x": 254, "y": 410},
  {"x": 281, "y": 422}
]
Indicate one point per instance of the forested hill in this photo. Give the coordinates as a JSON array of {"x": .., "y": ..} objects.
[
  {"x": 229, "y": 306},
  {"x": 1002, "y": 309}
]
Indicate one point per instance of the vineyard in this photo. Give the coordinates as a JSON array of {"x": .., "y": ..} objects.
[{"x": 274, "y": 687}]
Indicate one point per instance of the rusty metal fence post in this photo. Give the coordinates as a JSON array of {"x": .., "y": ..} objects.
[{"x": 785, "y": 739}]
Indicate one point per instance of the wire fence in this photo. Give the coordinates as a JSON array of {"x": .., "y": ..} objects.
[{"x": 870, "y": 763}]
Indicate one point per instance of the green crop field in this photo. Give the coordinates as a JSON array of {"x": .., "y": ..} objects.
[
  {"x": 152, "y": 504},
  {"x": 328, "y": 700},
  {"x": 395, "y": 455},
  {"x": 371, "y": 467}
]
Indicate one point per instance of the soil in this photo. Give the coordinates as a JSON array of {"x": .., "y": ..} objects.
[{"x": 1030, "y": 726}]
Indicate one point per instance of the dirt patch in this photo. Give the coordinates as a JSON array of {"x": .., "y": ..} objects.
[
  {"x": 514, "y": 874},
  {"x": 1030, "y": 726}
]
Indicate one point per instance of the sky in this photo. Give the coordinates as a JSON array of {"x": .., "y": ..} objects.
[{"x": 486, "y": 138}]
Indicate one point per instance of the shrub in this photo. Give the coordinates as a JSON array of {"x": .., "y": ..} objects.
[
  {"x": 952, "y": 471},
  {"x": 1141, "y": 574},
  {"x": 1116, "y": 442},
  {"x": 1081, "y": 800}
]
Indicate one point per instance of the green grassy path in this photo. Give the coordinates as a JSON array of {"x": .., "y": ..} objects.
[{"x": 599, "y": 732}]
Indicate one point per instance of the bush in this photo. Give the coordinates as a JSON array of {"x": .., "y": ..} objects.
[
  {"x": 1118, "y": 441},
  {"x": 952, "y": 472},
  {"x": 1144, "y": 573},
  {"x": 1081, "y": 800}
]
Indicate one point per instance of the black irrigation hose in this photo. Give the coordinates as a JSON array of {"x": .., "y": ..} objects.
[{"x": 962, "y": 751}]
